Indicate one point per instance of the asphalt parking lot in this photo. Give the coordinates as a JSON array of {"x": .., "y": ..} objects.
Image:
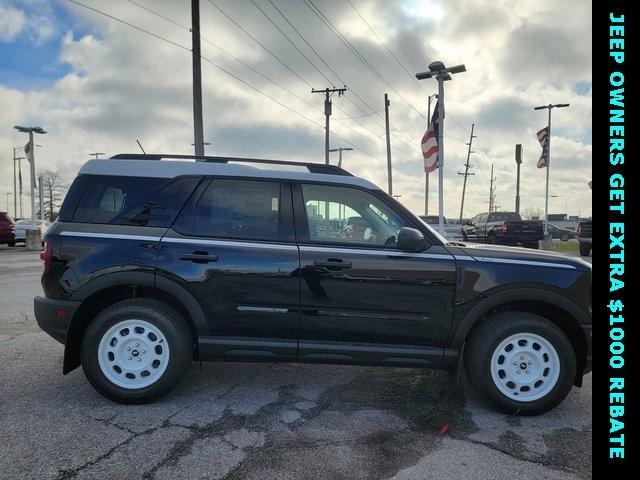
[{"x": 263, "y": 421}]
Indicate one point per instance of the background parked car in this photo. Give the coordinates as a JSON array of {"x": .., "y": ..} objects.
[
  {"x": 6, "y": 229},
  {"x": 452, "y": 231},
  {"x": 504, "y": 228},
  {"x": 563, "y": 234},
  {"x": 583, "y": 234},
  {"x": 21, "y": 227}
]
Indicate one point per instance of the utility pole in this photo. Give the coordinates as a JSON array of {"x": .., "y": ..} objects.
[
  {"x": 442, "y": 74},
  {"x": 198, "y": 133},
  {"x": 426, "y": 174},
  {"x": 327, "y": 112},
  {"x": 491, "y": 196},
  {"x": 340, "y": 150},
  {"x": 386, "y": 124},
  {"x": 518, "y": 163},
  {"x": 466, "y": 171}
]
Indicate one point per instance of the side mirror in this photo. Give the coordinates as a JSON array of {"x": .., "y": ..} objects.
[{"x": 411, "y": 240}]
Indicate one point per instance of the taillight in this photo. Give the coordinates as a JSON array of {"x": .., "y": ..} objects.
[
  {"x": 503, "y": 228},
  {"x": 45, "y": 256},
  {"x": 579, "y": 230}
]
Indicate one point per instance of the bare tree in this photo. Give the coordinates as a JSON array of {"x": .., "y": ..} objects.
[
  {"x": 532, "y": 213},
  {"x": 53, "y": 192}
]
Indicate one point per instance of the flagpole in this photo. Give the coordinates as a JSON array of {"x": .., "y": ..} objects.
[
  {"x": 546, "y": 194},
  {"x": 548, "y": 162},
  {"x": 440, "y": 104}
]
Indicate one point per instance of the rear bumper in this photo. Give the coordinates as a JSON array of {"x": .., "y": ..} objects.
[
  {"x": 54, "y": 316},
  {"x": 515, "y": 239}
]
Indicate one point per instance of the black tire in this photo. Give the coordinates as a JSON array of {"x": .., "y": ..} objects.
[
  {"x": 171, "y": 324},
  {"x": 564, "y": 237},
  {"x": 486, "y": 338},
  {"x": 491, "y": 238},
  {"x": 11, "y": 244},
  {"x": 585, "y": 249}
]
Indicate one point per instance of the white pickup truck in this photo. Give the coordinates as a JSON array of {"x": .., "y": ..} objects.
[{"x": 452, "y": 231}]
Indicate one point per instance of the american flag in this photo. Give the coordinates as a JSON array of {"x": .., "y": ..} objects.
[
  {"x": 430, "y": 144},
  {"x": 543, "y": 138}
]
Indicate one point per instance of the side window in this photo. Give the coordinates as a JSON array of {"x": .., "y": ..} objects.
[
  {"x": 492, "y": 217},
  {"x": 349, "y": 215},
  {"x": 160, "y": 207},
  {"x": 244, "y": 209},
  {"x": 105, "y": 197},
  {"x": 482, "y": 218}
]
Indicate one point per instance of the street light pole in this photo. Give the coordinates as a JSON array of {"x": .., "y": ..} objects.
[
  {"x": 340, "y": 150},
  {"x": 441, "y": 73},
  {"x": 31, "y": 158},
  {"x": 15, "y": 197},
  {"x": 546, "y": 194}
]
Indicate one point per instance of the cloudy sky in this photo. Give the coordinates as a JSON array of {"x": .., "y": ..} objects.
[{"x": 97, "y": 85}]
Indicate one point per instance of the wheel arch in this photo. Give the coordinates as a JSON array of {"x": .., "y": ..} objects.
[
  {"x": 563, "y": 312},
  {"x": 108, "y": 289}
]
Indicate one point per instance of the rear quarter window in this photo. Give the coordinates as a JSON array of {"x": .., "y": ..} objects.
[{"x": 133, "y": 200}]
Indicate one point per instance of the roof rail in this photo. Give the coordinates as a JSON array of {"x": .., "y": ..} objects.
[{"x": 312, "y": 167}]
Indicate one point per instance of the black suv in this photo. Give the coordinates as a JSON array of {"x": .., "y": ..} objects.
[{"x": 156, "y": 261}]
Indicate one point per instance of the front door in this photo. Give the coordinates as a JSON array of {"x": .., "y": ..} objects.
[
  {"x": 233, "y": 248},
  {"x": 363, "y": 300}
]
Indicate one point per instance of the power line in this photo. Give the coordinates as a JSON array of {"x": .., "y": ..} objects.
[
  {"x": 318, "y": 13},
  {"x": 307, "y": 43},
  {"x": 411, "y": 76},
  {"x": 227, "y": 72},
  {"x": 258, "y": 42},
  {"x": 132, "y": 26},
  {"x": 290, "y": 41}
]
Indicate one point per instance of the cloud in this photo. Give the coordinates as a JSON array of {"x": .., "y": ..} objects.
[
  {"x": 12, "y": 21},
  {"x": 123, "y": 85}
]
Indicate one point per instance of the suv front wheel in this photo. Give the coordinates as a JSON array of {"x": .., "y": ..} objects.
[
  {"x": 136, "y": 351},
  {"x": 521, "y": 362}
]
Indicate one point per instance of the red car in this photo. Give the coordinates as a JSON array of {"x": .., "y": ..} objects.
[{"x": 7, "y": 230}]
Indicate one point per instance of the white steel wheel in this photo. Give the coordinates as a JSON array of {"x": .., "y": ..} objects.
[
  {"x": 133, "y": 354},
  {"x": 525, "y": 367}
]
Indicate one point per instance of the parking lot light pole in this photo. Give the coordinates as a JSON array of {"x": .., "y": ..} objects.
[
  {"x": 31, "y": 158},
  {"x": 546, "y": 194},
  {"x": 441, "y": 73},
  {"x": 340, "y": 150}
]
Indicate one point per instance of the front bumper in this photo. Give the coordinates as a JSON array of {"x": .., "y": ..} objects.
[{"x": 54, "y": 316}]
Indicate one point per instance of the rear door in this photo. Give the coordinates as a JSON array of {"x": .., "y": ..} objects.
[
  {"x": 233, "y": 248},
  {"x": 363, "y": 300}
]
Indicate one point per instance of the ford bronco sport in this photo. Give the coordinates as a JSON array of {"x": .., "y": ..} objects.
[{"x": 158, "y": 260}]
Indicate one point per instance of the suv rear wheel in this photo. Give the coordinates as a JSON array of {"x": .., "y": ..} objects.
[
  {"x": 136, "y": 351},
  {"x": 522, "y": 363}
]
